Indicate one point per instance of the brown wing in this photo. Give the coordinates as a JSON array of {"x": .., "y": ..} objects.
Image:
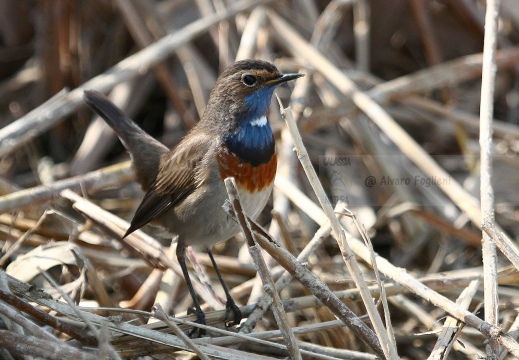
[{"x": 176, "y": 180}]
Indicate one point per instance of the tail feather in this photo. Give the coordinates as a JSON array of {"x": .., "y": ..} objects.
[{"x": 144, "y": 149}]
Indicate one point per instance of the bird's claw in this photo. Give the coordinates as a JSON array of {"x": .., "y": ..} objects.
[
  {"x": 231, "y": 306},
  {"x": 197, "y": 332}
]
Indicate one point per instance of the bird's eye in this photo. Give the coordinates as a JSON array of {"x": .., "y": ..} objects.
[{"x": 248, "y": 80}]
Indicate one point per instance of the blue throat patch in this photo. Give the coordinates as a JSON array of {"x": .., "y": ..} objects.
[{"x": 251, "y": 143}]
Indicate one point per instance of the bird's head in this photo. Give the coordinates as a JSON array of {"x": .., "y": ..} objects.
[{"x": 243, "y": 92}]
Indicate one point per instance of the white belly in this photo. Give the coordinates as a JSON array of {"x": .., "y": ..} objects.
[
  {"x": 254, "y": 203},
  {"x": 216, "y": 225}
]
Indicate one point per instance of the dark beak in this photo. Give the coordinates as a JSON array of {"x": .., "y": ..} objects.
[{"x": 283, "y": 78}]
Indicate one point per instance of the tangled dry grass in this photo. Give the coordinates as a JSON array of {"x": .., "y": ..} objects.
[{"x": 384, "y": 125}]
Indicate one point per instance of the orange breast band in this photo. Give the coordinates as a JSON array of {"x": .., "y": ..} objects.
[{"x": 252, "y": 178}]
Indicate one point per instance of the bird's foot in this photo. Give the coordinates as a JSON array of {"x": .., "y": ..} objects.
[
  {"x": 197, "y": 332},
  {"x": 231, "y": 306}
]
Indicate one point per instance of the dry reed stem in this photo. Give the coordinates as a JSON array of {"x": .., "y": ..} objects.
[
  {"x": 99, "y": 137},
  {"x": 491, "y": 294},
  {"x": 27, "y": 345},
  {"x": 335, "y": 353},
  {"x": 168, "y": 285},
  {"x": 467, "y": 236},
  {"x": 383, "y": 295},
  {"x": 8, "y": 298},
  {"x": 14, "y": 247},
  {"x": 147, "y": 291},
  {"x": 507, "y": 246},
  {"x": 313, "y": 284},
  {"x": 334, "y": 33},
  {"x": 449, "y": 73},
  {"x": 361, "y": 30},
  {"x": 160, "y": 314},
  {"x": 451, "y": 329},
  {"x": 423, "y": 21},
  {"x": 248, "y": 40},
  {"x": 439, "y": 281},
  {"x": 101, "y": 295},
  {"x": 499, "y": 128},
  {"x": 230, "y": 338},
  {"x": 28, "y": 326},
  {"x": 512, "y": 331}
]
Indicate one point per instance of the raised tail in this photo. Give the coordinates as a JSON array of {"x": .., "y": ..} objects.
[{"x": 144, "y": 149}]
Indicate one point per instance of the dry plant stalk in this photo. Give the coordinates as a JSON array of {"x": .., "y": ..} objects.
[
  {"x": 486, "y": 190},
  {"x": 160, "y": 314}
]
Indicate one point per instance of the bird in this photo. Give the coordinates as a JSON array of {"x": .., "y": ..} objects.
[{"x": 184, "y": 186}]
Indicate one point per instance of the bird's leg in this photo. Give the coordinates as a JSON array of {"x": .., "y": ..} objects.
[
  {"x": 200, "y": 316},
  {"x": 230, "y": 304}
]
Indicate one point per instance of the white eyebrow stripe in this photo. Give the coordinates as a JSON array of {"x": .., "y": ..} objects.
[{"x": 262, "y": 121}]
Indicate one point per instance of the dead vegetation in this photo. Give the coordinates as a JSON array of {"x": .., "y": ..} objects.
[{"x": 385, "y": 127}]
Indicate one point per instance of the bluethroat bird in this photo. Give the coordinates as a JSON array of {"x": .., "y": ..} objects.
[{"x": 184, "y": 186}]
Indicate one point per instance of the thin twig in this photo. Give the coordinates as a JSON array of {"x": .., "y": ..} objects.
[
  {"x": 452, "y": 327},
  {"x": 12, "y": 249},
  {"x": 491, "y": 294},
  {"x": 160, "y": 314},
  {"x": 507, "y": 246},
  {"x": 383, "y": 296}
]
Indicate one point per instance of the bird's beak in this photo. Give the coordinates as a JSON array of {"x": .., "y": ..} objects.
[{"x": 283, "y": 78}]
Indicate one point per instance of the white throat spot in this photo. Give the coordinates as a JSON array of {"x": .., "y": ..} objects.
[{"x": 260, "y": 122}]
